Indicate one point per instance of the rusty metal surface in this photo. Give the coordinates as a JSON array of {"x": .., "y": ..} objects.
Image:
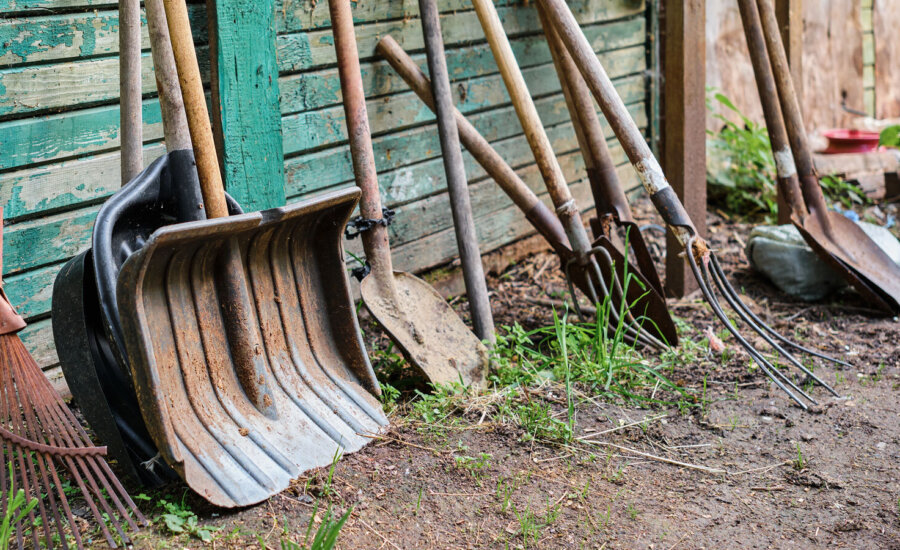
[
  {"x": 239, "y": 413},
  {"x": 428, "y": 331}
]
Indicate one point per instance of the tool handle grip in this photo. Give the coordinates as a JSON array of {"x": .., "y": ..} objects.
[
  {"x": 175, "y": 125},
  {"x": 195, "y": 105},
  {"x": 130, "y": 88}
]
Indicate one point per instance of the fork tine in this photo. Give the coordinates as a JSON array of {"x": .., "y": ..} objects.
[
  {"x": 764, "y": 364},
  {"x": 778, "y": 336},
  {"x": 741, "y": 309}
]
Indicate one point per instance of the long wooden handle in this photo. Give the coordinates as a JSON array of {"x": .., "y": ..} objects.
[
  {"x": 790, "y": 107},
  {"x": 768, "y": 94},
  {"x": 609, "y": 198},
  {"x": 195, "y": 105},
  {"x": 130, "y": 101},
  {"x": 629, "y": 135},
  {"x": 175, "y": 126},
  {"x": 538, "y": 214},
  {"x": 523, "y": 104}
]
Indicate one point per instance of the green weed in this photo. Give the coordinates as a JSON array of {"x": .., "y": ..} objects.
[
  {"x": 179, "y": 519},
  {"x": 326, "y": 535},
  {"x": 837, "y": 189},
  {"x": 17, "y": 509},
  {"x": 474, "y": 465},
  {"x": 799, "y": 462}
]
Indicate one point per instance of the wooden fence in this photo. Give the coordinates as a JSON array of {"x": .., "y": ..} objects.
[{"x": 59, "y": 123}]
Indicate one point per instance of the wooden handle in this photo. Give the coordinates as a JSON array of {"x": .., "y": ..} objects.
[
  {"x": 195, "y": 105},
  {"x": 175, "y": 126},
  {"x": 130, "y": 100},
  {"x": 524, "y": 105},
  {"x": 536, "y": 211}
]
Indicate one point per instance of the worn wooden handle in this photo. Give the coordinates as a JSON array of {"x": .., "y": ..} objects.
[
  {"x": 195, "y": 105},
  {"x": 175, "y": 126},
  {"x": 524, "y": 105},
  {"x": 130, "y": 119}
]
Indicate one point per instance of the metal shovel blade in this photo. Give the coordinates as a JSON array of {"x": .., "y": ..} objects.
[
  {"x": 427, "y": 330},
  {"x": 853, "y": 254},
  {"x": 301, "y": 329}
]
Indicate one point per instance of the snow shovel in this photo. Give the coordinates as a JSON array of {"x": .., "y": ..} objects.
[
  {"x": 592, "y": 268},
  {"x": 86, "y": 325},
  {"x": 242, "y": 337},
  {"x": 540, "y": 217},
  {"x": 702, "y": 261},
  {"x": 430, "y": 334},
  {"x": 839, "y": 240}
]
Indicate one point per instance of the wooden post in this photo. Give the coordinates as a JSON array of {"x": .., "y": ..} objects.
[
  {"x": 790, "y": 21},
  {"x": 684, "y": 125},
  {"x": 246, "y": 106}
]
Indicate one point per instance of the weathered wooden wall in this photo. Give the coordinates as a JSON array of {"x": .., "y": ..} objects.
[
  {"x": 849, "y": 49},
  {"x": 59, "y": 123}
]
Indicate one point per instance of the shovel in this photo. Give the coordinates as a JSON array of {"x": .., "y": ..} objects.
[
  {"x": 840, "y": 241},
  {"x": 86, "y": 325},
  {"x": 244, "y": 347},
  {"x": 592, "y": 268},
  {"x": 416, "y": 317},
  {"x": 537, "y": 213}
]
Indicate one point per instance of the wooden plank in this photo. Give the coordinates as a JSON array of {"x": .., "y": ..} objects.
[
  {"x": 392, "y": 152},
  {"x": 832, "y": 53},
  {"x": 886, "y": 21},
  {"x": 316, "y": 129},
  {"x": 246, "y": 102},
  {"x": 43, "y": 38},
  {"x": 317, "y": 89},
  {"x": 684, "y": 131},
  {"x": 30, "y": 293},
  {"x": 307, "y": 50},
  {"x": 48, "y": 240},
  {"x": 728, "y": 65}
]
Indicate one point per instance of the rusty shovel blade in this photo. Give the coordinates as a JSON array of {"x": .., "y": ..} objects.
[{"x": 239, "y": 413}]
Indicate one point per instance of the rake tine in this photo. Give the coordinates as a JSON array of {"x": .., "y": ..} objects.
[
  {"x": 718, "y": 277},
  {"x": 731, "y": 290},
  {"x": 754, "y": 353},
  {"x": 639, "y": 334}
]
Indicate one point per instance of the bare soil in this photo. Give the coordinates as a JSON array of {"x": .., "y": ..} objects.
[{"x": 749, "y": 470}]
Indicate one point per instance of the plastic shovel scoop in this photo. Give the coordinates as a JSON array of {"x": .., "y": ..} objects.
[
  {"x": 244, "y": 347},
  {"x": 427, "y": 330}
]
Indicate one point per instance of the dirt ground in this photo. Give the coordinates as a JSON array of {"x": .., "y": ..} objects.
[{"x": 746, "y": 470}]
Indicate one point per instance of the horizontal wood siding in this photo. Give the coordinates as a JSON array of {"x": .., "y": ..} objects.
[{"x": 59, "y": 123}]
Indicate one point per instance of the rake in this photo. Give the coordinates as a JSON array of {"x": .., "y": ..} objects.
[
  {"x": 39, "y": 435},
  {"x": 703, "y": 263}
]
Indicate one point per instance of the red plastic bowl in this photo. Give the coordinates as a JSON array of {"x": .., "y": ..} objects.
[{"x": 850, "y": 141}]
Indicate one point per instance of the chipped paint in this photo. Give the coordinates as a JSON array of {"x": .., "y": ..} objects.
[
  {"x": 784, "y": 163},
  {"x": 651, "y": 175}
]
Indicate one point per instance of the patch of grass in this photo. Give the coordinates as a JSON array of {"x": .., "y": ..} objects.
[
  {"x": 17, "y": 509},
  {"x": 475, "y": 466},
  {"x": 326, "y": 534},
  {"x": 799, "y": 462},
  {"x": 633, "y": 512},
  {"x": 742, "y": 170}
]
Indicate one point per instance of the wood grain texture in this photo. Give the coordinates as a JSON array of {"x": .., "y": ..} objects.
[
  {"x": 246, "y": 101},
  {"x": 886, "y": 21}
]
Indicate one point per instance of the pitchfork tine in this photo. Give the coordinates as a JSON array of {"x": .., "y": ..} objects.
[
  {"x": 764, "y": 364},
  {"x": 718, "y": 276},
  {"x": 778, "y": 336}
]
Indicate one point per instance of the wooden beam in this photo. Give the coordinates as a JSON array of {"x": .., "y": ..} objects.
[
  {"x": 684, "y": 124},
  {"x": 246, "y": 100}
]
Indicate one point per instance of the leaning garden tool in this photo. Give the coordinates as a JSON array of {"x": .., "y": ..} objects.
[
  {"x": 834, "y": 237},
  {"x": 541, "y": 218},
  {"x": 701, "y": 259},
  {"x": 592, "y": 268},
  {"x": 610, "y": 201},
  {"x": 457, "y": 184},
  {"x": 788, "y": 183},
  {"x": 41, "y": 440},
  {"x": 241, "y": 333},
  {"x": 86, "y": 324},
  {"x": 416, "y": 317}
]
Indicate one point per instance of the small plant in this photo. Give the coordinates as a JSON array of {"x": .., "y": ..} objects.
[
  {"x": 742, "y": 169},
  {"x": 633, "y": 512},
  {"x": 799, "y": 462},
  {"x": 474, "y": 465},
  {"x": 837, "y": 189},
  {"x": 326, "y": 535},
  {"x": 179, "y": 519},
  {"x": 16, "y": 510}
]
